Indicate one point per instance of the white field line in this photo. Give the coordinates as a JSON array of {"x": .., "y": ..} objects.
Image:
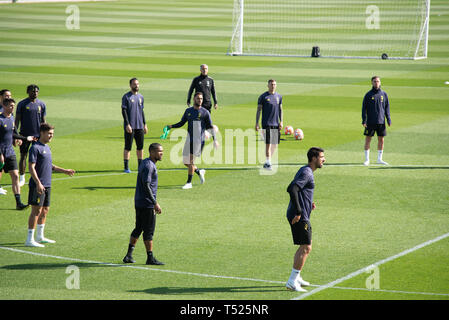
[
  {"x": 370, "y": 267},
  {"x": 205, "y": 275}
]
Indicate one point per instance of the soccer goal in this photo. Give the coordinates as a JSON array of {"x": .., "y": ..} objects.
[{"x": 393, "y": 29}]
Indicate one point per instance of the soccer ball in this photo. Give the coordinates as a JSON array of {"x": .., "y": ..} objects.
[
  {"x": 288, "y": 130},
  {"x": 299, "y": 135}
]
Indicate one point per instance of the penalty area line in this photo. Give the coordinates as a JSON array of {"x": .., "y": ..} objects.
[{"x": 370, "y": 267}]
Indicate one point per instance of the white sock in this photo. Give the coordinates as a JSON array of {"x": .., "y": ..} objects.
[
  {"x": 30, "y": 236},
  {"x": 379, "y": 154},
  {"x": 268, "y": 161},
  {"x": 294, "y": 275},
  {"x": 40, "y": 231},
  {"x": 367, "y": 155}
]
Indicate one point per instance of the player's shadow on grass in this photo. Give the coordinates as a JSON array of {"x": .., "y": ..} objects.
[
  {"x": 47, "y": 266},
  {"x": 199, "y": 291},
  {"x": 94, "y": 188}
]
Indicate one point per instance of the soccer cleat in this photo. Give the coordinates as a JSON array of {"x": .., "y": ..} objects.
[
  {"x": 33, "y": 243},
  {"x": 187, "y": 186},
  {"x": 202, "y": 174},
  {"x": 3, "y": 191},
  {"x": 22, "y": 180},
  {"x": 153, "y": 261},
  {"x": 380, "y": 161},
  {"x": 290, "y": 285},
  {"x": 302, "y": 282},
  {"x": 21, "y": 206},
  {"x": 366, "y": 163},
  {"x": 267, "y": 166},
  {"x": 127, "y": 171},
  {"x": 44, "y": 240},
  {"x": 128, "y": 259}
]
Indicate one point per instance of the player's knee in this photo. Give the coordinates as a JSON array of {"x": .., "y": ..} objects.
[{"x": 306, "y": 249}]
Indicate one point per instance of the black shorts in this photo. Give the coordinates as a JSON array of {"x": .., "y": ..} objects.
[
  {"x": 138, "y": 136},
  {"x": 379, "y": 129},
  {"x": 36, "y": 199},
  {"x": 301, "y": 232},
  {"x": 272, "y": 134},
  {"x": 145, "y": 222},
  {"x": 24, "y": 147},
  {"x": 192, "y": 147},
  {"x": 10, "y": 164}
]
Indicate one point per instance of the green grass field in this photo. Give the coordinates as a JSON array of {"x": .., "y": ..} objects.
[{"x": 227, "y": 239}]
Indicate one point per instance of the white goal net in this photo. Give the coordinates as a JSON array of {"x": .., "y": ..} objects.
[{"x": 340, "y": 28}]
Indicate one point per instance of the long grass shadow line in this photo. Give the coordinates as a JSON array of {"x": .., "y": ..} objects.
[{"x": 198, "y": 291}]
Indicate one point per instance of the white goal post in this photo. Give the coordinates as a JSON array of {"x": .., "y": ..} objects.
[{"x": 394, "y": 29}]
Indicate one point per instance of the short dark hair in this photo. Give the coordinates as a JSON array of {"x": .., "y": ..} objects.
[
  {"x": 314, "y": 152},
  {"x": 7, "y": 101},
  {"x": 197, "y": 93},
  {"x": 271, "y": 80},
  {"x": 2, "y": 92},
  {"x": 32, "y": 87},
  {"x": 154, "y": 146},
  {"x": 132, "y": 79},
  {"x": 45, "y": 127},
  {"x": 375, "y": 77}
]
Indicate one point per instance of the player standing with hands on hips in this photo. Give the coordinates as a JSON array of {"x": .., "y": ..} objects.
[
  {"x": 375, "y": 109},
  {"x": 298, "y": 215}
]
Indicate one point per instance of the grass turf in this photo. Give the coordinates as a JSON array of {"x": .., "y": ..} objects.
[{"x": 234, "y": 226}]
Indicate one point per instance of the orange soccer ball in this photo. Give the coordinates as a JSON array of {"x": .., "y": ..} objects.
[{"x": 299, "y": 135}]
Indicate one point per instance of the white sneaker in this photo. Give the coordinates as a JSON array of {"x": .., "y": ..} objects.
[
  {"x": 366, "y": 163},
  {"x": 290, "y": 285},
  {"x": 187, "y": 186},
  {"x": 380, "y": 161},
  {"x": 22, "y": 180},
  {"x": 302, "y": 282},
  {"x": 45, "y": 240},
  {"x": 33, "y": 243},
  {"x": 3, "y": 191},
  {"x": 202, "y": 174}
]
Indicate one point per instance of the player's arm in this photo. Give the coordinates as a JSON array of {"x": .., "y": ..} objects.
[
  {"x": 387, "y": 110},
  {"x": 149, "y": 192},
  {"x": 43, "y": 113},
  {"x": 180, "y": 123},
  {"x": 259, "y": 110},
  {"x": 32, "y": 168},
  {"x": 145, "y": 128},
  {"x": 69, "y": 172},
  {"x": 281, "y": 116},
  {"x": 210, "y": 128},
  {"x": 212, "y": 91},
  {"x": 293, "y": 190},
  {"x": 364, "y": 110},
  {"x": 17, "y": 119},
  {"x": 189, "y": 94}
]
